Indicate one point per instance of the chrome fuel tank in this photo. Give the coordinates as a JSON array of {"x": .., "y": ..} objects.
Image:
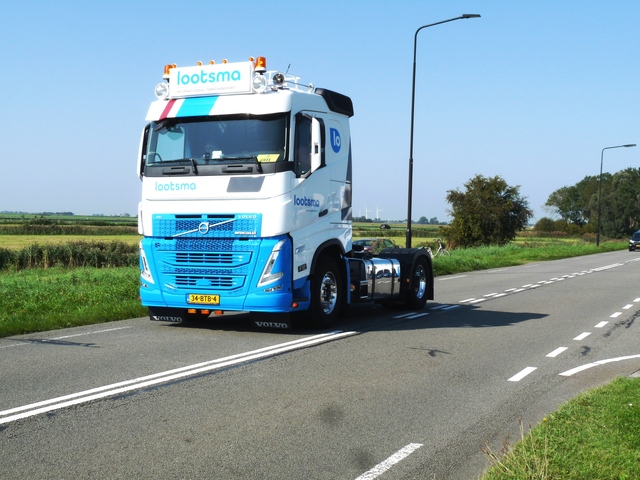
[{"x": 374, "y": 279}]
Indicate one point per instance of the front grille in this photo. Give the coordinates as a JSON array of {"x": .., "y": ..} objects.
[
  {"x": 208, "y": 258},
  {"x": 208, "y": 282},
  {"x": 206, "y": 264}
]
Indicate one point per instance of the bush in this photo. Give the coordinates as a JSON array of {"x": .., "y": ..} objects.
[
  {"x": 488, "y": 212},
  {"x": 545, "y": 224},
  {"x": 71, "y": 255}
]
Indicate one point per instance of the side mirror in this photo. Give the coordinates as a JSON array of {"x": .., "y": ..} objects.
[{"x": 141, "y": 152}]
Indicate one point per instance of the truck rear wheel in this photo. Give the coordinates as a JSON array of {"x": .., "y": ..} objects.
[
  {"x": 417, "y": 295},
  {"x": 326, "y": 292}
]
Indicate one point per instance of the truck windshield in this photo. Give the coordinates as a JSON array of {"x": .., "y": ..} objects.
[{"x": 217, "y": 140}]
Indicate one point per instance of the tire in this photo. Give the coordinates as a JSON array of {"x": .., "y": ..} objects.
[
  {"x": 326, "y": 293},
  {"x": 417, "y": 294}
]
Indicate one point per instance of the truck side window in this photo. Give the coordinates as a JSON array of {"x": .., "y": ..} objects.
[{"x": 303, "y": 145}]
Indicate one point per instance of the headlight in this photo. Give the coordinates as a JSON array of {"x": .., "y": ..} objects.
[
  {"x": 268, "y": 275},
  {"x": 145, "y": 272}
]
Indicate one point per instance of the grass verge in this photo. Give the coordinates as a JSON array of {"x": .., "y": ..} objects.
[
  {"x": 594, "y": 436},
  {"x": 34, "y": 300},
  {"x": 484, "y": 258}
]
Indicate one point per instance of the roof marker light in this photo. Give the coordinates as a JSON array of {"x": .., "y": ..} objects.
[
  {"x": 199, "y": 63},
  {"x": 211, "y": 62},
  {"x": 261, "y": 65},
  {"x": 224, "y": 60},
  {"x": 167, "y": 69}
]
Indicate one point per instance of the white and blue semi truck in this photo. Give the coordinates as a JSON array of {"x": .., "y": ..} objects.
[{"x": 246, "y": 202}]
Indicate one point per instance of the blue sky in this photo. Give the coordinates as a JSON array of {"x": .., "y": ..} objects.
[{"x": 532, "y": 91}]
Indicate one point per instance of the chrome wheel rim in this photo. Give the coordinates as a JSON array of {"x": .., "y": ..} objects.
[{"x": 328, "y": 293}]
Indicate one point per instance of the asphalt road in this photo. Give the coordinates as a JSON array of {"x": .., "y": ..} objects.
[{"x": 388, "y": 394}]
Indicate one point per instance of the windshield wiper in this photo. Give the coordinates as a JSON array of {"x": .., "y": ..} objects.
[
  {"x": 253, "y": 158},
  {"x": 175, "y": 170}
]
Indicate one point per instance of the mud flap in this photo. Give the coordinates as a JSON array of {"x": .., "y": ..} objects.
[
  {"x": 278, "y": 321},
  {"x": 164, "y": 314}
]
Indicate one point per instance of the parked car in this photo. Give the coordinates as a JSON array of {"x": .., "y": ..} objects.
[
  {"x": 385, "y": 226},
  {"x": 634, "y": 241},
  {"x": 369, "y": 244}
]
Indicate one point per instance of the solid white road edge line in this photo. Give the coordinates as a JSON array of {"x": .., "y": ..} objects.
[
  {"x": 27, "y": 341},
  {"x": 450, "y": 278},
  {"x": 137, "y": 383},
  {"x": 389, "y": 462}
]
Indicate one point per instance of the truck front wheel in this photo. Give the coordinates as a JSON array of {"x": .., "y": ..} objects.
[
  {"x": 326, "y": 292},
  {"x": 417, "y": 295}
]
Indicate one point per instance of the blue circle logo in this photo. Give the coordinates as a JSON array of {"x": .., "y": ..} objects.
[{"x": 336, "y": 140}]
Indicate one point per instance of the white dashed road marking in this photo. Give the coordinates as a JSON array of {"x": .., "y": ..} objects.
[{"x": 519, "y": 376}]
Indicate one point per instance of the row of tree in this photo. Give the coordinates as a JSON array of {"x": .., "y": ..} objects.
[
  {"x": 619, "y": 203},
  {"x": 491, "y": 212}
]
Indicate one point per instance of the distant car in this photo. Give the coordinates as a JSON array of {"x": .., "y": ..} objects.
[
  {"x": 634, "y": 241},
  {"x": 368, "y": 244}
]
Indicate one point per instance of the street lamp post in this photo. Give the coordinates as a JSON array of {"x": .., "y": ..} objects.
[
  {"x": 413, "y": 99},
  {"x": 600, "y": 185}
]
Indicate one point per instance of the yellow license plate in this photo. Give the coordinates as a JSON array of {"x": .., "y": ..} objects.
[{"x": 204, "y": 299}]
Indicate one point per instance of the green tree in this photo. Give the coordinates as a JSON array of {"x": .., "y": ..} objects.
[
  {"x": 489, "y": 212},
  {"x": 574, "y": 204},
  {"x": 620, "y": 207},
  {"x": 619, "y": 203}
]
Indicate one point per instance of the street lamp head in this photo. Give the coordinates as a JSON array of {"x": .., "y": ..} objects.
[
  {"x": 470, "y": 15},
  {"x": 629, "y": 145}
]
